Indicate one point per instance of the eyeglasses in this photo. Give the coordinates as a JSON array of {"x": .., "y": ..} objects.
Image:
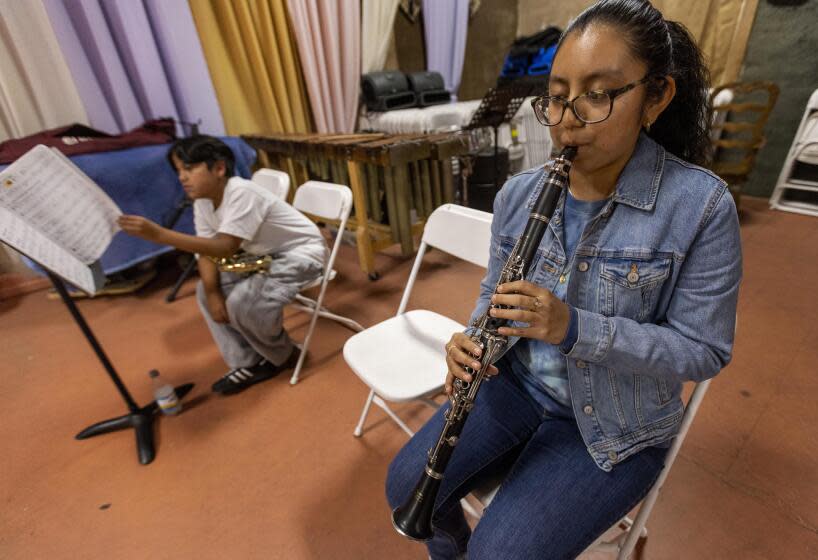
[{"x": 591, "y": 107}]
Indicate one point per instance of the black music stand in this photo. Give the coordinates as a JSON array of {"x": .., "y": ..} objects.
[
  {"x": 138, "y": 418},
  {"x": 188, "y": 270},
  {"x": 177, "y": 213},
  {"x": 499, "y": 106}
]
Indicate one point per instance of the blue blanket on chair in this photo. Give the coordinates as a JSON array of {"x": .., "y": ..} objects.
[{"x": 141, "y": 182}]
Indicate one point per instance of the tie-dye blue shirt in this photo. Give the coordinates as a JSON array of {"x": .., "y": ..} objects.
[{"x": 544, "y": 372}]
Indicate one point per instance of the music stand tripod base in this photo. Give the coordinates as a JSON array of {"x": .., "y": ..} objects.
[{"x": 141, "y": 420}]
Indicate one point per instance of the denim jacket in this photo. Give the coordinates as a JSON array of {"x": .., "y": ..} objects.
[{"x": 654, "y": 282}]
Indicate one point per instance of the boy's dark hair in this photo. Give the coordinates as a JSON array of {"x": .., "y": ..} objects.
[
  {"x": 666, "y": 48},
  {"x": 203, "y": 148}
]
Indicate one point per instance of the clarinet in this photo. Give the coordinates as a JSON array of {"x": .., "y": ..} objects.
[{"x": 413, "y": 519}]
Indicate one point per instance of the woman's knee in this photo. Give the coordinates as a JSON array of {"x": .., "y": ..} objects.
[{"x": 399, "y": 480}]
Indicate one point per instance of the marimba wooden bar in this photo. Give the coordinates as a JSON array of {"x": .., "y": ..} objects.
[{"x": 397, "y": 180}]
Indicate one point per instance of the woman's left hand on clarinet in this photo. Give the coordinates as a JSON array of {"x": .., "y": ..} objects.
[{"x": 546, "y": 315}]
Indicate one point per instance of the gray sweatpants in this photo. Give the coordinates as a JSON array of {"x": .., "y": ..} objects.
[{"x": 255, "y": 307}]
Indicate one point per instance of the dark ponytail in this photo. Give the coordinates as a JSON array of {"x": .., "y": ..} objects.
[{"x": 666, "y": 48}]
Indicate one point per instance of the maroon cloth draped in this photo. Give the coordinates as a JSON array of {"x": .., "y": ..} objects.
[{"x": 77, "y": 139}]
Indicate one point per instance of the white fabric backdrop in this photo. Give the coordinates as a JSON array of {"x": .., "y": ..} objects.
[
  {"x": 36, "y": 89},
  {"x": 376, "y": 30}
]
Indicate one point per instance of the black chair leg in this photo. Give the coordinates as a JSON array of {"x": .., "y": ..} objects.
[{"x": 181, "y": 280}]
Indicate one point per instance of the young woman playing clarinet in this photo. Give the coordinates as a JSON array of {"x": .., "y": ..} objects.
[{"x": 632, "y": 292}]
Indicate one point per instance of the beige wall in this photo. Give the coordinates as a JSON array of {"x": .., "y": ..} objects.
[
  {"x": 534, "y": 15},
  {"x": 721, "y": 27},
  {"x": 491, "y": 32}
]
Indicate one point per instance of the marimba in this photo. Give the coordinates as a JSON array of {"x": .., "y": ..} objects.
[{"x": 396, "y": 180}]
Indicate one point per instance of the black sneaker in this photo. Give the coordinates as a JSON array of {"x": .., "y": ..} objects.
[{"x": 239, "y": 379}]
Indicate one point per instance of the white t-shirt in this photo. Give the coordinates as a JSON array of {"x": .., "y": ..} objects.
[{"x": 265, "y": 223}]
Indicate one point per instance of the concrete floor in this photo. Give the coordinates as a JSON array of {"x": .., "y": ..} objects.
[{"x": 275, "y": 472}]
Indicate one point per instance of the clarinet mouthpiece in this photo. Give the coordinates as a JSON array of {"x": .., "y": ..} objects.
[{"x": 569, "y": 152}]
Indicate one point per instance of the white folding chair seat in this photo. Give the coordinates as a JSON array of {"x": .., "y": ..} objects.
[
  {"x": 331, "y": 203},
  {"x": 633, "y": 531},
  {"x": 277, "y": 182},
  {"x": 413, "y": 365},
  {"x": 404, "y": 357},
  {"x": 401, "y": 372}
]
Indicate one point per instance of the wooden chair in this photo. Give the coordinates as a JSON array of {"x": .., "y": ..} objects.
[{"x": 738, "y": 129}]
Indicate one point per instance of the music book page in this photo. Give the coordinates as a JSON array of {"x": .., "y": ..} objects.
[{"x": 57, "y": 216}]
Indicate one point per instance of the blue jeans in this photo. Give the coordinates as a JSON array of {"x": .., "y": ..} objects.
[{"x": 553, "y": 503}]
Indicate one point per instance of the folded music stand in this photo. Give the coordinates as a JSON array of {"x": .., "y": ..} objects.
[
  {"x": 181, "y": 206},
  {"x": 499, "y": 106}
]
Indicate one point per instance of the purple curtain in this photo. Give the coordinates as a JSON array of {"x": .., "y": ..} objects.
[
  {"x": 445, "y": 25},
  {"x": 134, "y": 60}
]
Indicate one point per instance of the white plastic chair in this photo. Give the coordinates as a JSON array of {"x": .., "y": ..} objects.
[
  {"x": 404, "y": 358},
  {"x": 634, "y": 533},
  {"x": 330, "y": 203},
  {"x": 277, "y": 182}
]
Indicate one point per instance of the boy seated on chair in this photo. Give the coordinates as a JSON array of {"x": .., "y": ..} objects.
[{"x": 284, "y": 249}]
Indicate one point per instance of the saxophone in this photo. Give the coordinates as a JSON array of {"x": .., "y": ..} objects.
[
  {"x": 243, "y": 263},
  {"x": 413, "y": 519}
]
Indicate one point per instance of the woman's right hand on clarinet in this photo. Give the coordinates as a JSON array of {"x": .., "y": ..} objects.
[{"x": 462, "y": 351}]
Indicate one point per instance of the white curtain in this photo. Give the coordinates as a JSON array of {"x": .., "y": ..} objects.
[
  {"x": 36, "y": 88},
  {"x": 328, "y": 33},
  {"x": 378, "y": 18}
]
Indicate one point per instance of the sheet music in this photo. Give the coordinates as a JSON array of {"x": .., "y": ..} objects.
[
  {"x": 30, "y": 242},
  {"x": 56, "y": 215},
  {"x": 51, "y": 194}
]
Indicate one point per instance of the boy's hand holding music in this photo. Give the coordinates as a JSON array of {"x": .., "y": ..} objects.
[
  {"x": 141, "y": 227},
  {"x": 547, "y": 317}
]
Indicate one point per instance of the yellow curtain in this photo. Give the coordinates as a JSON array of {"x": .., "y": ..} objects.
[
  {"x": 253, "y": 62},
  {"x": 721, "y": 27}
]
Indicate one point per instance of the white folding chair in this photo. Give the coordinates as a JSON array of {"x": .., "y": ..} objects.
[
  {"x": 329, "y": 203},
  {"x": 797, "y": 186},
  {"x": 634, "y": 533},
  {"x": 277, "y": 182},
  {"x": 403, "y": 358}
]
